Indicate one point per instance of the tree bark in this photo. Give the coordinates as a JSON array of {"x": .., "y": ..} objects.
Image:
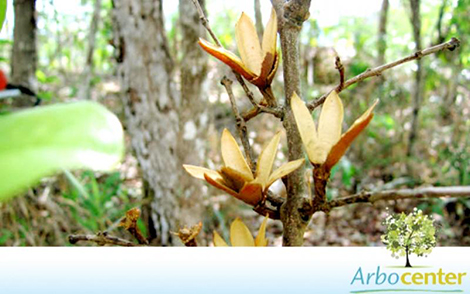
[
  {"x": 194, "y": 116},
  {"x": 296, "y": 210},
  {"x": 419, "y": 81},
  {"x": 24, "y": 54},
  {"x": 88, "y": 69},
  {"x": 151, "y": 108}
]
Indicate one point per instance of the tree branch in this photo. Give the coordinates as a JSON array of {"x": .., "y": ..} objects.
[
  {"x": 263, "y": 210},
  {"x": 205, "y": 22},
  {"x": 449, "y": 45},
  {"x": 101, "y": 239},
  {"x": 240, "y": 122},
  {"x": 339, "y": 66},
  {"x": 257, "y": 108},
  {"x": 295, "y": 212},
  {"x": 418, "y": 193}
]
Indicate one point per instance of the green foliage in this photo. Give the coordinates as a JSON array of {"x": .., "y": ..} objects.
[
  {"x": 460, "y": 27},
  {"x": 414, "y": 232},
  {"x": 347, "y": 170},
  {"x": 39, "y": 142},
  {"x": 103, "y": 199},
  {"x": 226, "y": 33},
  {"x": 3, "y": 11}
]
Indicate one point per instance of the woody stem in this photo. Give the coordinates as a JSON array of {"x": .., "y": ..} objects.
[
  {"x": 268, "y": 96},
  {"x": 241, "y": 125},
  {"x": 449, "y": 45},
  {"x": 296, "y": 210},
  {"x": 320, "y": 180}
]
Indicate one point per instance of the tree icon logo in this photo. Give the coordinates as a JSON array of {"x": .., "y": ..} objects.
[{"x": 407, "y": 234}]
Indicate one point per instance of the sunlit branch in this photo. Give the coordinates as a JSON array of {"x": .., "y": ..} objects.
[
  {"x": 450, "y": 45},
  {"x": 418, "y": 193}
]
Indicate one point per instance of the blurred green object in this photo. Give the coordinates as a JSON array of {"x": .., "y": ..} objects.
[
  {"x": 3, "y": 12},
  {"x": 41, "y": 141}
]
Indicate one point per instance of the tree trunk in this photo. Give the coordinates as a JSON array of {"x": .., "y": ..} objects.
[
  {"x": 24, "y": 54},
  {"x": 419, "y": 81},
  {"x": 151, "y": 107},
  {"x": 407, "y": 257},
  {"x": 88, "y": 69},
  {"x": 194, "y": 116}
]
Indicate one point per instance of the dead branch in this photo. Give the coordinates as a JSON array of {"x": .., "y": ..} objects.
[
  {"x": 418, "y": 193},
  {"x": 101, "y": 239},
  {"x": 450, "y": 45}
]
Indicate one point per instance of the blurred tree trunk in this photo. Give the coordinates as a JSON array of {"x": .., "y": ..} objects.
[
  {"x": 419, "y": 81},
  {"x": 194, "y": 116},
  {"x": 441, "y": 35},
  {"x": 454, "y": 60},
  {"x": 375, "y": 87},
  {"x": 24, "y": 54},
  {"x": 377, "y": 84},
  {"x": 259, "y": 19},
  {"x": 151, "y": 106},
  {"x": 84, "y": 92},
  {"x": 381, "y": 42}
]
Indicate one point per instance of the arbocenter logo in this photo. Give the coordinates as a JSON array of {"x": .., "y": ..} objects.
[
  {"x": 408, "y": 234},
  {"x": 406, "y": 280}
]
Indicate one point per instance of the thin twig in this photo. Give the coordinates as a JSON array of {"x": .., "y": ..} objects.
[
  {"x": 426, "y": 192},
  {"x": 205, "y": 22},
  {"x": 273, "y": 210},
  {"x": 101, "y": 239},
  {"x": 257, "y": 108},
  {"x": 264, "y": 210},
  {"x": 247, "y": 90},
  {"x": 252, "y": 113},
  {"x": 339, "y": 66},
  {"x": 241, "y": 126},
  {"x": 450, "y": 45}
]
